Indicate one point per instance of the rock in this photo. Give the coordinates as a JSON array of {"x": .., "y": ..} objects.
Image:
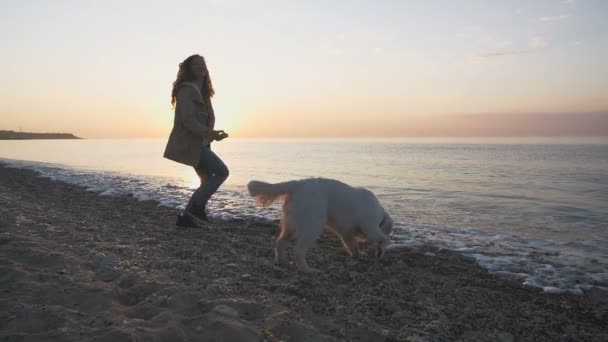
[
  {"x": 354, "y": 275},
  {"x": 127, "y": 280},
  {"x": 103, "y": 260},
  {"x": 108, "y": 273},
  {"x": 149, "y": 241},
  {"x": 596, "y": 295},
  {"x": 215, "y": 289},
  {"x": 341, "y": 310},
  {"x": 286, "y": 329},
  {"x": 217, "y": 328},
  {"x": 113, "y": 335},
  {"x": 226, "y": 311},
  {"x": 5, "y": 237},
  {"x": 133, "y": 322},
  {"x": 505, "y": 337}
]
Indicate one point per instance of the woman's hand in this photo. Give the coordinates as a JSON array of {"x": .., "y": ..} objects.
[{"x": 219, "y": 135}]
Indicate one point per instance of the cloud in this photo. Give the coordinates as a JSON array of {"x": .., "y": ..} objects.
[
  {"x": 555, "y": 17},
  {"x": 495, "y": 54},
  {"x": 506, "y": 48},
  {"x": 536, "y": 43},
  {"x": 504, "y": 44},
  {"x": 539, "y": 42}
]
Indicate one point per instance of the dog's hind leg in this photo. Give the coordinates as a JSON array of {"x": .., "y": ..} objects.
[
  {"x": 304, "y": 241},
  {"x": 281, "y": 250},
  {"x": 283, "y": 241},
  {"x": 306, "y": 215},
  {"x": 300, "y": 250}
]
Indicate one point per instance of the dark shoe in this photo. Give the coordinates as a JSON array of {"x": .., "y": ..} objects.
[
  {"x": 185, "y": 221},
  {"x": 202, "y": 215}
]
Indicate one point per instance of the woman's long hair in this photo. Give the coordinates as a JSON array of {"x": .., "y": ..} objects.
[{"x": 185, "y": 74}]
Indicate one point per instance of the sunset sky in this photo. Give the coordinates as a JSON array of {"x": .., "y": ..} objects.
[{"x": 308, "y": 68}]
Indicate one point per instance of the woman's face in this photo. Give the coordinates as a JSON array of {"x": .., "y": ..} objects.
[{"x": 198, "y": 67}]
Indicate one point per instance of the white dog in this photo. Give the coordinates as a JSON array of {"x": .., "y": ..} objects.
[{"x": 311, "y": 205}]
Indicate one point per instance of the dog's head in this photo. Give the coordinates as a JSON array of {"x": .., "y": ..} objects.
[{"x": 386, "y": 225}]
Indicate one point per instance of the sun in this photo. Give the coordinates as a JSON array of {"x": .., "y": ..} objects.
[{"x": 228, "y": 114}]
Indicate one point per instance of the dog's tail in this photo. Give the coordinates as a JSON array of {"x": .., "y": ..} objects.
[{"x": 266, "y": 193}]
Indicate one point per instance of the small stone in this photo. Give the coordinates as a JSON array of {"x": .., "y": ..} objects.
[
  {"x": 108, "y": 274},
  {"x": 351, "y": 262},
  {"x": 127, "y": 280},
  {"x": 214, "y": 289},
  {"x": 226, "y": 311},
  {"x": 598, "y": 315},
  {"x": 505, "y": 337},
  {"x": 101, "y": 260},
  {"x": 149, "y": 241},
  {"x": 5, "y": 237},
  {"x": 133, "y": 322}
]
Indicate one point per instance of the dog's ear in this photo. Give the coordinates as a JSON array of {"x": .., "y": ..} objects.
[{"x": 386, "y": 226}]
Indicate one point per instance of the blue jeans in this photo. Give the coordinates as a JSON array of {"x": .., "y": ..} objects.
[{"x": 212, "y": 172}]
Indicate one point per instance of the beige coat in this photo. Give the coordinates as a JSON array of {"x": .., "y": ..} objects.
[{"x": 192, "y": 126}]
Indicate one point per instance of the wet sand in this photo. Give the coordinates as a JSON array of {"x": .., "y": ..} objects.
[{"x": 76, "y": 266}]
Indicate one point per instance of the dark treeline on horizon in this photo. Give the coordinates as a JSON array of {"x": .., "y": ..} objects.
[{"x": 12, "y": 135}]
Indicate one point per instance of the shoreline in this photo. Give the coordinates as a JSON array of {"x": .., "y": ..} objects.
[{"x": 76, "y": 265}]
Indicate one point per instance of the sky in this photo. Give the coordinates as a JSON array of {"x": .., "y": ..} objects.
[{"x": 103, "y": 69}]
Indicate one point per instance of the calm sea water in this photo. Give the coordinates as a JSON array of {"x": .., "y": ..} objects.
[{"x": 532, "y": 209}]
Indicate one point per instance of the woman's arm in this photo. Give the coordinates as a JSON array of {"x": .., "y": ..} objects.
[{"x": 187, "y": 111}]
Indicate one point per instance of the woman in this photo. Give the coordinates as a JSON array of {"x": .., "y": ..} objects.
[{"x": 192, "y": 134}]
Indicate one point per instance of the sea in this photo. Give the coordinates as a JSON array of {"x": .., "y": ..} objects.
[{"x": 535, "y": 209}]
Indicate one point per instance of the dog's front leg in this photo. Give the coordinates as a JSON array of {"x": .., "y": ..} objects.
[
  {"x": 381, "y": 247},
  {"x": 373, "y": 250},
  {"x": 350, "y": 244},
  {"x": 379, "y": 240}
]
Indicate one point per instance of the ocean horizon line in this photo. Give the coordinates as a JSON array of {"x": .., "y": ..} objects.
[{"x": 602, "y": 138}]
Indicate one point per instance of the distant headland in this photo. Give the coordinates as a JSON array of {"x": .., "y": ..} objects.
[{"x": 12, "y": 135}]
